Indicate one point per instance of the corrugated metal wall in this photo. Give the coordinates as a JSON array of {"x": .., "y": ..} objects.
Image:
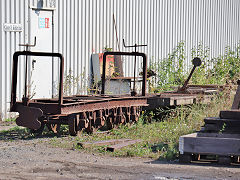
[
  {"x": 11, "y": 12},
  {"x": 87, "y": 27},
  {"x": 83, "y": 27}
]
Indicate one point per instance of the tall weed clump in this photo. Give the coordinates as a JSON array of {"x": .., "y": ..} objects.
[
  {"x": 200, "y": 75},
  {"x": 226, "y": 68},
  {"x": 170, "y": 70}
]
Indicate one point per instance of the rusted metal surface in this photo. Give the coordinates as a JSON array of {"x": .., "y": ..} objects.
[
  {"x": 89, "y": 112},
  {"x": 175, "y": 99},
  {"x": 83, "y": 112},
  {"x": 29, "y": 117},
  {"x": 15, "y": 72},
  {"x": 102, "y": 143},
  {"x": 115, "y": 144}
]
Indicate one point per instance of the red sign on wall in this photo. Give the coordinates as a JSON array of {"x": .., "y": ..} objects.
[
  {"x": 46, "y": 22},
  {"x": 43, "y": 22}
]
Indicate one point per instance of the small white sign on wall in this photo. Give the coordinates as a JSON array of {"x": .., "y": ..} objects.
[{"x": 8, "y": 27}]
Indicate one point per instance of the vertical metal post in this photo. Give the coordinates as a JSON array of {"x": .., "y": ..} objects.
[
  {"x": 26, "y": 67},
  {"x": 25, "y": 96},
  {"x": 104, "y": 73},
  {"x": 133, "y": 93}
]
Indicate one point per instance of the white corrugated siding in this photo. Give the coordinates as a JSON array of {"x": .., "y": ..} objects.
[
  {"x": 11, "y": 12},
  {"x": 86, "y": 27},
  {"x": 83, "y": 27}
]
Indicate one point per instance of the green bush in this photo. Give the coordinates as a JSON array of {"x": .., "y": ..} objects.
[{"x": 172, "y": 71}]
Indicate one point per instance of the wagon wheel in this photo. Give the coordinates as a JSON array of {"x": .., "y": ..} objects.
[
  {"x": 108, "y": 120},
  {"x": 111, "y": 120},
  {"x": 127, "y": 114},
  {"x": 54, "y": 128},
  {"x": 116, "y": 117},
  {"x": 138, "y": 112},
  {"x": 91, "y": 129},
  {"x": 109, "y": 123},
  {"x": 39, "y": 131},
  {"x": 73, "y": 122},
  {"x": 120, "y": 119},
  {"x": 91, "y": 125},
  {"x": 135, "y": 114}
]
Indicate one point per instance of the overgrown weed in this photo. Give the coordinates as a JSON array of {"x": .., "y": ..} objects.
[{"x": 173, "y": 70}]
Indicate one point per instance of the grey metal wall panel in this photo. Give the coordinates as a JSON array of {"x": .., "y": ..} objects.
[
  {"x": 83, "y": 27},
  {"x": 1, "y": 56},
  {"x": 11, "y": 12},
  {"x": 159, "y": 23}
]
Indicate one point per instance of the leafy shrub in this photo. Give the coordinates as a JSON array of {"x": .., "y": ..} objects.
[{"x": 172, "y": 71}]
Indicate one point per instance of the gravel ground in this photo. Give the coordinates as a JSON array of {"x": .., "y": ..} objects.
[{"x": 36, "y": 159}]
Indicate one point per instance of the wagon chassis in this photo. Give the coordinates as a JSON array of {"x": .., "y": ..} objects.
[{"x": 79, "y": 112}]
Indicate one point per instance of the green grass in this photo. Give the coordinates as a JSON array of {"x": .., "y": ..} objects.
[
  {"x": 159, "y": 138},
  {"x": 14, "y": 133},
  {"x": 10, "y": 120}
]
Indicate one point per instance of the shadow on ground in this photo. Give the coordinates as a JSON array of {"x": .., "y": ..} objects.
[
  {"x": 19, "y": 133},
  {"x": 203, "y": 163}
]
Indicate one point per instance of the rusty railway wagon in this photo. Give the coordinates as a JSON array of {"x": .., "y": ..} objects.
[
  {"x": 79, "y": 112},
  {"x": 90, "y": 112}
]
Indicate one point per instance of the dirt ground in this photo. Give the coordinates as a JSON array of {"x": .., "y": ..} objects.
[{"x": 37, "y": 159}]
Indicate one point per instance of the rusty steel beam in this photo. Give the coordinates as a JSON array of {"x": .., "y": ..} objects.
[
  {"x": 196, "y": 62},
  {"x": 122, "y": 145},
  {"x": 102, "y": 143},
  {"x": 95, "y": 105}
]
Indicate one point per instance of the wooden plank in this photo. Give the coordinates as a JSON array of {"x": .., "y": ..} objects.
[
  {"x": 216, "y": 120},
  {"x": 119, "y": 146},
  {"x": 182, "y": 101},
  {"x": 174, "y": 99},
  {"x": 230, "y": 114},
  {"x": 218, "y": 135},
  {"x": 209, "y": 145},
  {"x": 211, "y": 127},
  {"x": 156, "y": 102},
  {"x": 202, "y": 91},
  {"x": 221, "y": 128},
  {"x": 102, "y": 143}
]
